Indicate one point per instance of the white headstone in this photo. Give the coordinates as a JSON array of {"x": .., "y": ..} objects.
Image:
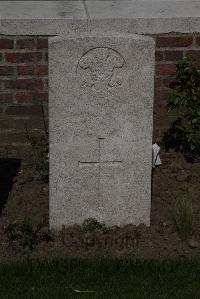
[{"x": 101, "y": 111}]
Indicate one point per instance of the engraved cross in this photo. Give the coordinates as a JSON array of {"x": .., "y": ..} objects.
[{"x": 99, "y": 163}]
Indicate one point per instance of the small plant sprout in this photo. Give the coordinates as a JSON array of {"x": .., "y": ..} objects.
[{"x": 184, "y": 214}]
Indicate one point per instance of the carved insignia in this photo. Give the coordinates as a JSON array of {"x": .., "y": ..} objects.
[{"x": 99, "y": 68}]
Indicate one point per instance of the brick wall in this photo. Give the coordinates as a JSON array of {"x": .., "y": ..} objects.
[
  {"x": 24, "y": 81},
  {"x": 169, "y": 49},
  {"x": 23, "y": 86}
]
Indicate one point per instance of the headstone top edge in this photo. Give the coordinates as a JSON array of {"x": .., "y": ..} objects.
[{"x": 109, "y": 34}]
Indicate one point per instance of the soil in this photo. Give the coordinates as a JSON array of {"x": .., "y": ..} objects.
[{"x": 24, "y": 215}]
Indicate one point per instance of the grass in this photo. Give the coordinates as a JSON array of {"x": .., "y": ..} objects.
[
  {"x": 184, "y": 214},
  {"x": 109, "y": 278}
]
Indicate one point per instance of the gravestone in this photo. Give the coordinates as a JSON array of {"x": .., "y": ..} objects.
[{"x": 101, "y": 110}]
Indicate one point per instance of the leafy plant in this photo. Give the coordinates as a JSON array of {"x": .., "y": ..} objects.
[
  {"x": 90, "y": 224},
  {"x": 184, "y": 99},
  {"x": 184, "y": 214},
  {"x": 26, "y": 234},
  {"x": 29, "y": 234},
  {"x": 13, "y": 233}
]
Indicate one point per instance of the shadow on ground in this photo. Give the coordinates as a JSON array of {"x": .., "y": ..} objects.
[{"x": 8, "y": 170}]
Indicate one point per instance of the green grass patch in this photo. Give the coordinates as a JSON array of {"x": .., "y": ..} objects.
[{"x": 108, "y": 278}]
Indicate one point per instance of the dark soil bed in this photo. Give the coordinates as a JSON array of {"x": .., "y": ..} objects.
[{"x": 24, "y": 215}]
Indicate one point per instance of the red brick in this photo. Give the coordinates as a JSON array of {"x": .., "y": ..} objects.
[
  {"x": 21, "y": 124},
  {"x": 27, "y": 97},
  {"x": 46, "y": 82},
  {"x": 32, "y": 123},
  {"x": 160, "y": 100},
  {"x": 35, "y": 109},
  {"x": 27, "y": 43},
  {"x": 160, "y": 106},
  {"x": 16, "y": 110},
  {"x": 6, "y": 97},
  {"x": 164, "y": 120},
  {"x": 25, "y": 84},
  {"x": 0, "y": 57},
  {"x": 173, "y": 41},
  {"x": 41, "y": 70},
  {"x": 161, "y": 94},
  {"x": 24, "y": 110},
  {"x": 25, "y": 70},
  {"x": 6, "y": 43},
  {"x": 160, "y": 120},
  {"x": 157, "y": 82},
  {"x": 24, "y": 97},
  {"x": 23, "y": 57},
  {"x": 158, "y": 56},
  {"x": 42, "y": 43},
  {"x": 173, "y": 55},
  {"x": 168, "y": 81},
  {"x": 198, "y": 40},
  {"x": 6, "y": 70},
  {"x": 194, "y": 54},
  {"x": 165, "y": 69},
  {"x": 41, "y": 96},
  {"x": 46, "y": 58}
]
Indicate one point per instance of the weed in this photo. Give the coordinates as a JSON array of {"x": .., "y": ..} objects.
[
  {"x": 26, "y": 234},
  {"x": 29, "y": 234},
  {"x": 90, "y": 224},
  {"x": 40, "y": 147},
  {"x": 184, "y": 214}
]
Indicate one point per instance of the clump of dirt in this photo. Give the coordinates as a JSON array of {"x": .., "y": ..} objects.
[{"x": 28, "y": 199}]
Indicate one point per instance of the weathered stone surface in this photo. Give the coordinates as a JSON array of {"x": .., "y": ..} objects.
[
  {"x": 58, "y": 17},
  {"x": 101, "y": 100},
  {"x": 142, "y": 9},
  {"x": 69, "y": 9}
]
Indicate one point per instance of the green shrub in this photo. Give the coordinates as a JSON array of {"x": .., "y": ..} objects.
[
  {"x": 184, "y": 99},
  {"x": 184, "y": 214},
  {"x": 90, "y": 224}
]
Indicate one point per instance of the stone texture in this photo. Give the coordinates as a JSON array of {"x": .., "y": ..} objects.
[
  {"x": 142, "y": 9},
  {"x": 133, "y": 25},
  {"x": 101, "y": 110},
  {"x": 59, "y": 17},
  {"x": 69, "y": 9}
]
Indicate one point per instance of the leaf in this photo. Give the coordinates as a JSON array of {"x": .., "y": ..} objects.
[{"x": 78, "y": 291}]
